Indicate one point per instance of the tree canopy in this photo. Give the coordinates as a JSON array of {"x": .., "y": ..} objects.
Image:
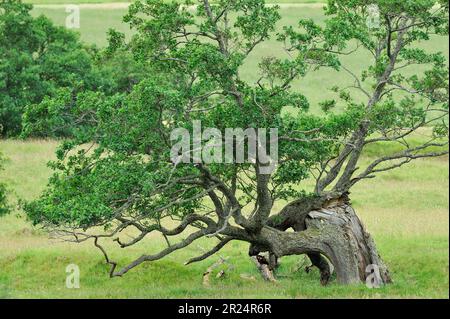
[
  {"x": 116, "y": 171},
  {"x": 37, "y": 61}
]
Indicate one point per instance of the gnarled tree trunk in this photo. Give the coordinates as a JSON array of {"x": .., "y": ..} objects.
[{"x": 332, "y": 230}]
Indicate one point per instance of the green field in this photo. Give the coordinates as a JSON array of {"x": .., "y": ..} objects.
[{"x": 406, "y": 211}]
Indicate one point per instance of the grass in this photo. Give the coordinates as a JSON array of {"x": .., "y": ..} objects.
[{"x": 406, "y": 211}]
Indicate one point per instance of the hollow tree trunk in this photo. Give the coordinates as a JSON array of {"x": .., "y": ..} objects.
[{"x": 333, "y": 231}]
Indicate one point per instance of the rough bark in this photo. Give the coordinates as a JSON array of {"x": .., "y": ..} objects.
[{"x": 324, "y": 227}]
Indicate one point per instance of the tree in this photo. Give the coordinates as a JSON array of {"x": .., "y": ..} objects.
[
  {"x": 124, "y": 179},
  {"x": 37, "y": 58},
  {"x": 56, "y": 116}
]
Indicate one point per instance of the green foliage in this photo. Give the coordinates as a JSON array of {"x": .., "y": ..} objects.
[
  {"x": 56, "y": 116},
  {"x": 348, "y": 30},
  {"x": 132, "y": 127},
  {"x": 39, "y": 61},
  {"x": 36, "y": 57}
]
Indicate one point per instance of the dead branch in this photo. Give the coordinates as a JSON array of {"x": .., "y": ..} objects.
[
  {"x": 263, "y": 267},
  {"x": 210, "y": 269}
]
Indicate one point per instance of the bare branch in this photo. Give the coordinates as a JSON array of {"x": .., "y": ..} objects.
[
  {"x": 211, "y": 252},
  {"x": 406, "y": 157}
]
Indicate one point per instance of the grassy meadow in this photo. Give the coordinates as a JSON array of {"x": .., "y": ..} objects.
[{"x": 405, "y": 210}]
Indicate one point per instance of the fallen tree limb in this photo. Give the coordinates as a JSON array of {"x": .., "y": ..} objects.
[
  {"x": 263, "y": 267},
  {"x": 210, "y": 269}
]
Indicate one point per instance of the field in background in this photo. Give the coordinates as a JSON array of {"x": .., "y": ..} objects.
[{"x": 405, "y": 210}]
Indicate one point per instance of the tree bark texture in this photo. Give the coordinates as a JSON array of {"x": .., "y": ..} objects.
[{"x": 332, "y": 230}]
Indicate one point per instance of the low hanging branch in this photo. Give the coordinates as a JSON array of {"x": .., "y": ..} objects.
[{"x": 219, "y": 246}]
